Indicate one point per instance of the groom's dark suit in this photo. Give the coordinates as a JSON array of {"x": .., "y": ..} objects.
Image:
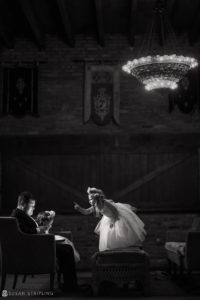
[{"x": 64, "y": 253}]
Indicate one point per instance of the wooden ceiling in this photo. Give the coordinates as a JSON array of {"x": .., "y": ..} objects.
[{"x": 34, "y": 19}]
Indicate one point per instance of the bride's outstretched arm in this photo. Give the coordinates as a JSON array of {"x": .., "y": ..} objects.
[{"x": 84, "y": 211}]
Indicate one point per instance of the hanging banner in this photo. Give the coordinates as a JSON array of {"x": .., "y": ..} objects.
[
  {"x": 20, "y": 91},
  {"x": 102, "y": 97},
  {"x": 186, "y": 96}
]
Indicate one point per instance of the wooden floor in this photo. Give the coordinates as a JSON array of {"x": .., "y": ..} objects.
[{"x": 162, "y": 288}]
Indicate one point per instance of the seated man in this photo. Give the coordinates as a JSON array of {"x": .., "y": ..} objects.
[{"x": 64, "y": 252}]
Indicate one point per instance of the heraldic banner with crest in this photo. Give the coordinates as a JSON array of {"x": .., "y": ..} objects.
[
  {"x": 187, "y": 96},
  {"x": 102, "y": 97},
  {"x": 20, "y": 91}
]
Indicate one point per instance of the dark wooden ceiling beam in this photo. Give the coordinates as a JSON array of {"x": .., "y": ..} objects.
[
  {"x": 132, "y": 23},
  {"x": 8, "y": 41},
  {"x": 32, "y": 20},
  {"x": 66, "y": 22},
  {"x": 99, "y": 21}
]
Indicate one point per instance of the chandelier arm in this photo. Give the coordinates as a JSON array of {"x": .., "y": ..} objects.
[
  {"x": 172, "y": 38},
  {"x": 162, "y": 33},
  {"x": 151, "y": 37},
  {"x": 147, "y": 39}
]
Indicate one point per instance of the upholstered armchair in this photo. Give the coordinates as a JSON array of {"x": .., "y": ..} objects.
[
  {"x": 183, "y": 248},
  {"x": 23, "y": 253}
]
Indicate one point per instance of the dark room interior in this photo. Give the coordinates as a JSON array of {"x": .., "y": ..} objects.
[{"x": 100, "y": 99}]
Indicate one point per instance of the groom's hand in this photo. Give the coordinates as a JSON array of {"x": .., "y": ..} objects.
[
  {"x": 42, "y": 229},
  {"x": 76, "y": 206}
]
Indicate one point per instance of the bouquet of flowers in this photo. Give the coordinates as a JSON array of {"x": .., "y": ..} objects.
[{"x": 46, "y": 218}]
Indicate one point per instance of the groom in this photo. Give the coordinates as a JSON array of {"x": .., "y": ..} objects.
[{"x": 65, "y": 255}]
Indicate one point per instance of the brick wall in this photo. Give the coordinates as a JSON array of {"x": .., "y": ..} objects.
[
  {"x": 86, "y": 241},
  {"x": 61, "y": 92},
  {"x": 60, "y": 101}
]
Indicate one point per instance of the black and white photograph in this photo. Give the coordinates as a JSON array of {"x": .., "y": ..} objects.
[{"x": 100, "y": 149}]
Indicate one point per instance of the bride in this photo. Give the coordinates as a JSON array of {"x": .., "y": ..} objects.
[{"x": 119, "y": 226}]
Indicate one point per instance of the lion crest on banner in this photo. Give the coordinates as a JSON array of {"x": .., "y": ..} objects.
[
  {"x": 102, "y": 94},
  {"x": 102, "y": 103}
]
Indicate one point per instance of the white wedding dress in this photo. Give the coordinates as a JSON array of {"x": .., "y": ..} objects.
[{"x": 119, "y": 227}]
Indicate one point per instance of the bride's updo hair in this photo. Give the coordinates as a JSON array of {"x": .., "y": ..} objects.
[
  {"x": 93, "y": 190},
  {"x": 98, "y": 198}
]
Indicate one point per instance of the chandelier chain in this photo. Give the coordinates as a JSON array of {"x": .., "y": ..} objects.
[{"x": 160, "y": 66}]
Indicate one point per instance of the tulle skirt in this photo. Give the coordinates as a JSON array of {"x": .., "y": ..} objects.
[{"x": 127, "y": 231}]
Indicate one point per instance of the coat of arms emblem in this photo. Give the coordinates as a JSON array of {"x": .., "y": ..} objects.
[
  {"x": 102, "y": 94},
  {"x": 102, "y": 104}
]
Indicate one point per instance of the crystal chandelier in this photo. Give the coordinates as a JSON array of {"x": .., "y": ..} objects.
[{"x": 160, "y": 70}]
